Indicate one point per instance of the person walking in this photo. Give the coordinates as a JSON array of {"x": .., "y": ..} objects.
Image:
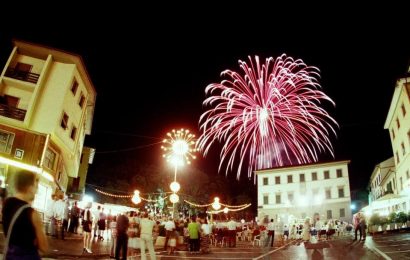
[
  {"x": 356, "y": 224},
  {"x": 271, "y": 232},
  {"x": 122, "y": 237},
  {"x": 23, "y": 227},
  {"x": 147, "y": 226},
  {"x": 87, "y": 224}
]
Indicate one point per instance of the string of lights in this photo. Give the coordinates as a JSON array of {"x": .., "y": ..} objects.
[
  {"x": 234, "y": 206},
  {"x": 126, "y": 196},
  {"x": 225, "y": 210},
  {"x": 198, "y": 205}
]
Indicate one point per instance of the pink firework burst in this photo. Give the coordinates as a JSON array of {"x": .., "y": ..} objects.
[{"x": 268, "y": 115}]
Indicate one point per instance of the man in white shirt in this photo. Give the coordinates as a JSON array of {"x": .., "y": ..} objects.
[
  {"x": 232, "y": 232},
  {"x": 147, "y": 226},
  {"x": 169, "y": 228},
  {"x": 271, "y": 232}
]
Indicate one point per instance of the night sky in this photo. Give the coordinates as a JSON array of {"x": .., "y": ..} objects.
[{"x": 150, "y": 73}]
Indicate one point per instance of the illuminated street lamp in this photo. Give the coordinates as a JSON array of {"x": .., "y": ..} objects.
[
  {"x": 175, "y": 187},
  {"x": 216, "y": 205},
  {"x": 136, "y": 199},
  {"x": 174, "y": 198}
]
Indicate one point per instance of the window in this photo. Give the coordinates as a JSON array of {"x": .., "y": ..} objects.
[
  {"x": 393, "y": 135},
  {"x": 302, "y": 177},
  {"x": 277, "y": 180},
  {"x": 408, "y": 136},
  {"x": 329, "y": 214},
  {"x": 74, "y": 87},
  {"x": 290, "y": 197},
  {"x": 339, "y": 173},
  {"x": 408, "y": 174},
  {"x": 341, "y": 192},
  {"x": 398, "y": 123},
  {"x": 328, "y": 194},
  {"x": 265, "y": 199},
  {"x": 290, "y": 179},
  {"x": 6, "y": 141},
  {"x": 265, "y": 181},
  {"x": 82, "y": 101},
  {"x": 81, "y": 158},
  {"x": 326, "y": 175},
  {"x": 64, "y": 121},
  {"x": 403, "y": 148},
  {"x": 403, "y": 110},
  {"x": 342, "y": 213},
  {"x": 314, "y": 176},
  {"x": 278, "y": 199},
  {"x": 73, "y": 132},
  {"x": 397, "y": 157},
  {"x": 49, "y": 159}
]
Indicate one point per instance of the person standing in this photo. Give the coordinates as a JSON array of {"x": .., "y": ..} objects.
[
  {"x": 232, "y": 232},
  {"x": 271, "y": 232},
  {"x": 87, "y": 223},
  {"x": 147, "y": 226},
  {"x": 169, "y": 229},
  {"x": 26, "y": 235},
  {"x": 356, "y": 224},
  {"x": 74, "y": 215},
  {"x": 194, "y": 229},
  {"x": 122, "y": 237},
  {"x": 362, "y": 224}
]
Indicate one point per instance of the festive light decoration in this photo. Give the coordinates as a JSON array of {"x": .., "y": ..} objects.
[
  {"x": 127, "y": 196},
  {"x": 179, "y": 147},
  {"x": 175, "y": 186},
  {"x": 216, "y": 205},
  {"x": 226, "y": 209},
  {"x": 136, "y": 198},
  {"x": 267, "y": 116},
  {"x": 174, "y": 198}
]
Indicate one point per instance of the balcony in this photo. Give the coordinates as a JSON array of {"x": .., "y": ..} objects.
[
  {"x": 22, "y": 75},
  {"x": 12, "y": 112}
]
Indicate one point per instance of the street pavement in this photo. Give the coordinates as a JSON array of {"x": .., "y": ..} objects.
[{"x": 396, "y": 246}]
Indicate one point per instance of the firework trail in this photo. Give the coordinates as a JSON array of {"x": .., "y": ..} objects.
[{"x": 267, "y": 116}]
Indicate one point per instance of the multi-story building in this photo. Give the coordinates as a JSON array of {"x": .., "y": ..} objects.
[
  {"x": 383, "y": 196},
  {"x": 398, "y": 124},
  {"x": 297, "y": 192},
  {"x": 46, "y": 108}
]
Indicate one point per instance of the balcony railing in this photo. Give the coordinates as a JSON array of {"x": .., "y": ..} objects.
[
  {"x": 12, "y": 112},
  {"x": 22, "y": 75}
]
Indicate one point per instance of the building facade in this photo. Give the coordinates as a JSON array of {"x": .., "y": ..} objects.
[
  {"x": 296, "y": 192},
  {"x": 47, "y": 104},
  {"x": 398, "y": 125}
]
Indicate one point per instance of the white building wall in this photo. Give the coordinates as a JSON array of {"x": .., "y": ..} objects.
[
  {"x": 398, "y": 124},
  {"x": 309, "y": 197}
]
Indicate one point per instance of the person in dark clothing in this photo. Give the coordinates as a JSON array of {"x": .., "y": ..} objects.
[
  {"x": 27, "y": 236},
  {"x": 122, "y": 237}
]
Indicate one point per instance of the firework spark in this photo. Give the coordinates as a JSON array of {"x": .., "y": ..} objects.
[
  {"x": 269, "y": 116},
  {"x": 179, "y": 147}
]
